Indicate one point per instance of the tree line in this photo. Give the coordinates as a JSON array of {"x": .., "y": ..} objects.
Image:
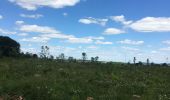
[{"x": 11, "y": 48}]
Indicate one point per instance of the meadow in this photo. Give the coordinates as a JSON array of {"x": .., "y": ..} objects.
[{"x": 38, "y": 79}]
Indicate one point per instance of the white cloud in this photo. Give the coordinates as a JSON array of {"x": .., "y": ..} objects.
[
  {"x": 152, "y": 24},
  {"x": 58, "y": 36},
  {"x": 130, "y": 49},
  {"x": 80, "y": 40},
  {"x": 34, "y": 4},
  {"x": 2, "y": 31},
  {"x": 131, "y": 42},
  {"x": 91, "y": 20},
  {"x": 48, "y": 33},
  {"x": 166, "y": 42},
  {"x": 36, "y": 16},
  {"x": 30, "y": 50},
  {"x": 37, "y": 29},
  {"x": 36, "y": 39},
  {"x": 96, "y": 38},
  {"x": 120, "y": 19},
  {"x": 113, "y": 31},
  {"x": 19, "y": 22},
  {"x": 23, "y": 34},
  {"x": 154, "y": 52},
  {"x": 84, "y": 40},
  {"x": 103, "y": 42},
  {"x": 92, "y": 47},
  {"x": 165, "y": 49},
  {"x": 1, "y": 17}
]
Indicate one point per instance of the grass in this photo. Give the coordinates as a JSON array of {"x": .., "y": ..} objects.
[{"x": 36, "y": 79}]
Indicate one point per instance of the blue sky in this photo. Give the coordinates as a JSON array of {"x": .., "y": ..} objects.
[{"x": 114, "y": 30}]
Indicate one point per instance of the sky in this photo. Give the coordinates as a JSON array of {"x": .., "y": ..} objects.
[{"x": 114, "y": 30}]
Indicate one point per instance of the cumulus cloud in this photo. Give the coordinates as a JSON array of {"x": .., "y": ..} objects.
[
  {"x": 85, "y": 40},
  {"x": 35, "y": 4},
  {"x": 36, "y": 39},
  {"x": 91, "y": 20},
  {"x": 57, "y": 36},
  {"x": 113, "y": 31},
  {"x": 48, "y": 33},
  {"x": 120, "y": 19},
  {"x": 131, "y": 42},
  {"x": 152, "y": 24},
  {"x": 103, "y": 42},
  {"x": 35, "y": 16},
  {"x": 37, "y": 29}
]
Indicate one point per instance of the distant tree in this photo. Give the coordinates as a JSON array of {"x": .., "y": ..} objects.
[
  {"x": 96, "y": 58},
  {"x": 62, "y": 57},
  {"x": 92, "y": 59},
  {"x": 44, "y": 52},
  {"x": 70, "y": 59},
  {"x": 164, "y": 64},
  {"x": 57, "y": 58},
  {"x": 28, "y": 55},
  {"x": 148, "y": 61},
  {"x": 134, "y": 60},
  {"x": 9, "y": 47},
  {"x": 35, "y": 56},
  {"x": 140, "y": 63},
  {"x": 51, "y": 57},
  {"x": 152, "y": 64},
  {"x": 84, "y": 56},
  {"x": 128, "y": 63}
]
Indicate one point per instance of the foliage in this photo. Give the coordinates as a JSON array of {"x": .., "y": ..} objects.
[{"x": 9, "y": 47}]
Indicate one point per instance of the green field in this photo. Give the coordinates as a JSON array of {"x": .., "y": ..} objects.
[{"x": 36, "y": 79}]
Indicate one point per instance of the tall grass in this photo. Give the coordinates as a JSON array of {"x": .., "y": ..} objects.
[{"x": 36, "y": 79}]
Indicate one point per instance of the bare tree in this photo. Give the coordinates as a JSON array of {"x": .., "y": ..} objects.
[
  {"x": 134, "y": 60},
  {"x": 147, "y": 61},
  {"x": 44, "y": 52}
]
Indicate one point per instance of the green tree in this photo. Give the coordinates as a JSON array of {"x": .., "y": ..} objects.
[
  {"x": 92, "y": 59},
  {"x": 96, "y": 58},
  {"x": 9, "y": 47}
]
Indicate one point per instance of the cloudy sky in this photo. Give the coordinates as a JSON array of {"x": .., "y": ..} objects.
[{"x": 114, "y": 30}]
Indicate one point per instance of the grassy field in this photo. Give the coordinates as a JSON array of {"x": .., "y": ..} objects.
[{"x": 35, "y": 79}]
